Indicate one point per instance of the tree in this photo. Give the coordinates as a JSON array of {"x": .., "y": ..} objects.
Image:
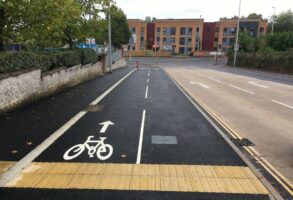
[
  {"x": 246, "y": 43},
  {"x": 254, "y": 16},
  {"x": 282, "y": 22},
  {"x": 148, "y": 19}
]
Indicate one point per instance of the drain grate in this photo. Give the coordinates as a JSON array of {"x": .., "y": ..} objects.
[{"x": 242, "y": 142}]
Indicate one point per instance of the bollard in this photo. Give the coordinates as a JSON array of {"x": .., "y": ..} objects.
[{"x": 137, "y": 64}]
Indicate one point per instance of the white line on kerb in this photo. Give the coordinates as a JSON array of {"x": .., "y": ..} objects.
[
  {"x": 146, "y": 92},
  {"x": 138, "y": 158},
  {"x": 283, "y": 104},
  {"x": 233, "y": 86},
  {"x": 201, "y": 84},
  {"x": 96, "y": 101},
  {"x": 211, "y": 78},
  {"x": 25, "y": 161},
  {"x": 256, "y": 84}
]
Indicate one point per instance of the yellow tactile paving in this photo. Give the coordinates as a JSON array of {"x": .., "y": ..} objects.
[
  {"x": 180, "y": 178},
  {"x": 4, "y": 166}
]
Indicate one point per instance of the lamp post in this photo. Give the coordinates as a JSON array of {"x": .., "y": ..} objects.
[
  {"x": 110, "y": 39},
  {"x": 236, "y": 47},
  {"x": 273, "y": 19}
]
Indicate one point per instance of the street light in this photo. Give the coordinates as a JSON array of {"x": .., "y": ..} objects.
[
  {"x": 273, "y": 19},
  {"x": 110, "y": 39},
  {"x": 236, "y": 47}
]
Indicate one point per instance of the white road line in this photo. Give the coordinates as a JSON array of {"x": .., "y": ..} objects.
[
  {"x": 25, "y": 161},
  {"x": 283, "y": 104},
  {"x": 148, "y": 80},
  {"x": 138, "y": 158},
  {"x": 211, "y": 78},
  {"x": 256, "y": 84},
  {"x": 96, "y": 101},
  {"x": 201, "y": 84},
  {"x": 146, "y": 92},
  {"x": 233, "y": 86}
]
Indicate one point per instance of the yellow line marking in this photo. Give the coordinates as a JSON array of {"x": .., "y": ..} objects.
[
  {"x": 273, "y": 171},
  {"x": 5, "y": 165},
  {"x": 269, "y": 170},
  {"x": 179, "y": 178}
]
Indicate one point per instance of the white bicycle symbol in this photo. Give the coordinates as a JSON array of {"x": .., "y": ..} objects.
[{"x": 103, "y": 151}]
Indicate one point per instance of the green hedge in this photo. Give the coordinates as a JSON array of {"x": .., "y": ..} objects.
[
  {"x": 14, "y": 61},
  {"x": 274, "y": 61}
]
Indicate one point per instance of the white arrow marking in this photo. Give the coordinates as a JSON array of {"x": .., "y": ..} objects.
[
  {"x": 256, "y": 84},
  {"x": 198, "y": 83},
  {"x": 105, "y": 126}
]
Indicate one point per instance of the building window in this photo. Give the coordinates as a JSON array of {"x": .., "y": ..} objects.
[
  {"x": 181, "y": 50},
  {"x": 225, "y": 31},
  {"x": 189, "y": 50},
  {"x": 164, "y": 31},
  {"x": 217, "y": 30},
  {"x": 189, "y": 31},
  {"x": 173, "y": 31},
  {"x": 158, "y": 30},
  {"x": 182, "y": 41},
  {"x": 182, "y": 31},
  {"x": 216, "y": 39},
  {"x": 158, "y": 39},
  {"x": 164, "y": 40},
  {"x": 197, "y": 29},
  {"x": 133, "y": 30},
  {"x": 208, "y": 29},
  {"x": 172, "y": 40},
  {"x": 189, "y": 41}
]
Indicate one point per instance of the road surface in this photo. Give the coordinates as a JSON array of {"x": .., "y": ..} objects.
[{"x": 133, "y": 133}]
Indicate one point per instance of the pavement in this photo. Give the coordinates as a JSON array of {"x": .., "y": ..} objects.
[{"x": 132, "y": 133}]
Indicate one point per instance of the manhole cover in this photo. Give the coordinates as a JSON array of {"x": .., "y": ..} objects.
[
  {"x": 94, "y": 108},
  {"x": 242, "y": 142},
  {"x": 157, "y": 139}
]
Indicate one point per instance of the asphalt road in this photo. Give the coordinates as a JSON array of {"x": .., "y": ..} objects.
[{"x": 153, "y": 126}]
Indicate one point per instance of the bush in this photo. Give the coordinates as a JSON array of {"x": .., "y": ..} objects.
[
  {"x": 11, "y": 61},
  {"x": 14, "y": 61},
  {"x": 265, "y": 59},
  {"x": 88, "y": 56}
]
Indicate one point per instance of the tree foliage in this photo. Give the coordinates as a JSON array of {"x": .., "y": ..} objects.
[
  {"x": 254, "y": 16},
  {"x": 271, "y": 42},
  {"x": 282, "y": 22},
  {"x": 55, "y": 23}
]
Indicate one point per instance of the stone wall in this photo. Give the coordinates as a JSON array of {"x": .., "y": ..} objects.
[{"x": 22, "y": 87}]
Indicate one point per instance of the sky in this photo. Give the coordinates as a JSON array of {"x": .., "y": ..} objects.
[{"x": 210, "y": 10}]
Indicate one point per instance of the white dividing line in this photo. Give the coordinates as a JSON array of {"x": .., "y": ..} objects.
[
  {"x": 201, "y": 84},
  {"x": 148, "y": 80},
  {"x": 256, "y": 84},
  {"x": 283, "y": 104},
  {"x": 146, "y": 92},
  {"x": 138, "y": 158},
  {"x": 233, "y": 86},
  {"x": 25, "y": 161},
  {"x": 218, "y": 81},
  {"x": 96, "y": 101}
]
